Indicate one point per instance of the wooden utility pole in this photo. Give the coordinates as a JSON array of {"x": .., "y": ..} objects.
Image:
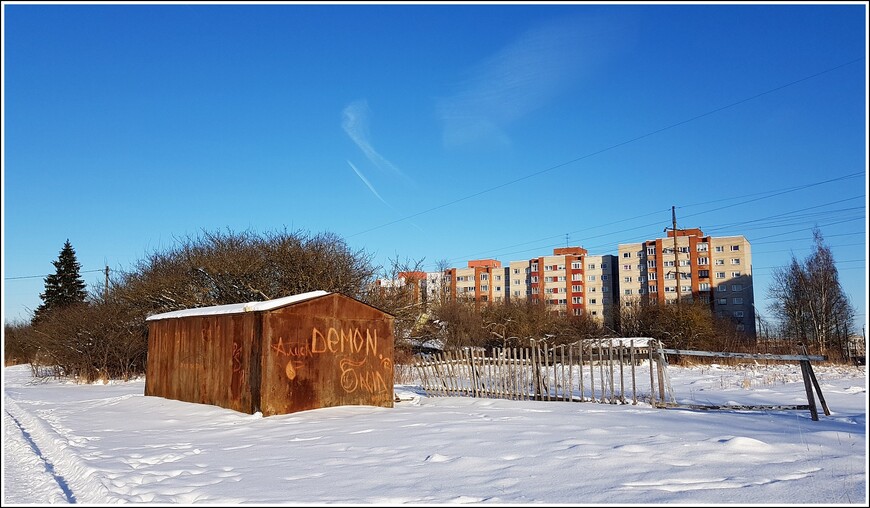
[{"x": 107, "y": 283}]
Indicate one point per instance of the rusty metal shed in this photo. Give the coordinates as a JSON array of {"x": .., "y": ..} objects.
[{"x": 306, "y": 351}]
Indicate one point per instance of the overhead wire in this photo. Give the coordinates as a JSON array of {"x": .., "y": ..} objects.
[{"x": 611, "y": 147}]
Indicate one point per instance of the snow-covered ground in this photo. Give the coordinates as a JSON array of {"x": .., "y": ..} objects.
[{"x": 103, "y": 444}]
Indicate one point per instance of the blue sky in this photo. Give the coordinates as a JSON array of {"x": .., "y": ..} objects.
[{"x": 432, "y": 132}]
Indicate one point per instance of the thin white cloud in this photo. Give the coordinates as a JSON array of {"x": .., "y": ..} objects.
[
  {"x": 366, "y": 181},
  {"x": 355, "y": 124},
  {"x": 522, "y": 77}
]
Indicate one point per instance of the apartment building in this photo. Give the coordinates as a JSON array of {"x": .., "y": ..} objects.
[
  {"x": 483, "y": 280},
  {"x": 569, "y": 281},
  {"x": 689, "y": 266},
  {"x": 601, "y": 287}
]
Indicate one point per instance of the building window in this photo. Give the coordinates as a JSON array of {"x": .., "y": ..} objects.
[
  {"x": 652, "y": 276},
  {"x": 703, "y": 261},
  {"x": 720, "y": 248},
  {"x": 577, "y": 266},
  {"x": 737, "y": 301},
  {"x": 604, "y": 277},
  {"x": 670, "y": 276},
  {"x": 740, "y": 327},
  {"x": 684, "y": 262},
  {"x": 577, "y": 289},
  {"x": 484, "y": 276},
  {"x": 626, "y": 254},
  {"x": 626, "y": 279},
  {"x": 516, "y": 271},
  {"x": 735, "y": 247},
  {"x": 651, "y": 263},
  {"x": 735, "y": 274},
  {"x": 669, "y": 263},
  {"x": 626, "y": 267},
  {"x": 576, "y": 276},
  {"x": 604, "y": 266},
  {"x": 516, "y": 293},
  {"x": 516, "y": 282},
  {"x": 723, "y": 301},
  {"x": 590, "y": 277},
  {"x": 560, "y": 278},
  {"x": 702, "y": 247},
  {"x": 534, "y": 278},
  {"x": 720, "y": 262},
  {"x": 484, "y": 288},
  {"x": 722, "y": 288},
  {"x": 738, "y": 313},
  {"x": 592, "y": 301},
  {"x": 704, "y": 274},
  {"x": 735, "y": 261},
  {"x": 577, "y": 299},
  {"x": 592, "y": 289},
  {"x": 736, "y": 287},
  {"x": 704, "y": 286},
  {"x": 720, "y": 275},
  {"x": 498, "y": 277},
  {"x": 686, "y": 289},
  {"x": 670, "y": 289},
  {"x": 498, "y": 288},
  {"x": 534, "y": 267},
  {"x": 653, "y": 289},
  {"x": 603, "y": 289},
  {"x": 627, "y": 292},
  {"x": 651, "y": 251}
]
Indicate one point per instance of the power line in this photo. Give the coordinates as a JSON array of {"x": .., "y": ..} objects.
[
  {"x": 44, "y": 276},
  {"x": 611, "y": 147}
]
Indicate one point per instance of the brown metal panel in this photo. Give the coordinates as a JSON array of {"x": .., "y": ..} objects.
[
  {"x": 201, "y": 359},
  {"x": 324, "y": 352}
]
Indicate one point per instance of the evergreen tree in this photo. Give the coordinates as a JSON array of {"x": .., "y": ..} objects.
[{"x": 64, "y": 287}]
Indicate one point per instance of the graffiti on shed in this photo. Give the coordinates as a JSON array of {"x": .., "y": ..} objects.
[{"x": 312, "y": 350}]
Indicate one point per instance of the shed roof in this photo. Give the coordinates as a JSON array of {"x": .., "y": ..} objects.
[{"x": 236, "y": 308}]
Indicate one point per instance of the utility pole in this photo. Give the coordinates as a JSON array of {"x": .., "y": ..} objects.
[
  {"x": 676, "y": 257},
  {"x": 106, "y": 295}
]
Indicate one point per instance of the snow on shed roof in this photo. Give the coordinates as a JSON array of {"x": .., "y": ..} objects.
[{"x": 235, "y": 308}]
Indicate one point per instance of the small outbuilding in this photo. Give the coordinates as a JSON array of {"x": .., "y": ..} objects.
[{"x": 306, "y": 351}]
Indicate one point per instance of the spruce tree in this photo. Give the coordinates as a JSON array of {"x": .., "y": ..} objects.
[{"x": 64, "y": 287}]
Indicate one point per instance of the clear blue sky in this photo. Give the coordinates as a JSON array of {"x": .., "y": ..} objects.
[{"x": 432, "y": 131}]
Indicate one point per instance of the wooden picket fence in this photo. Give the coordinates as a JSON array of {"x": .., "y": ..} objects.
[{"x": 598, "y": 370}]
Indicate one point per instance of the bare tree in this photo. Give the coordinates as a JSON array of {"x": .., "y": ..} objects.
[{"x": 810, "y": 303}]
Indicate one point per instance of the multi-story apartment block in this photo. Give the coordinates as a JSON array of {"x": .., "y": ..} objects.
[
  {"x": 569, "y": 282},
  {"x": 482, "y": 281},
  {"x": 601, "y": 287},
  {"x": 689, "y": 266}
]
